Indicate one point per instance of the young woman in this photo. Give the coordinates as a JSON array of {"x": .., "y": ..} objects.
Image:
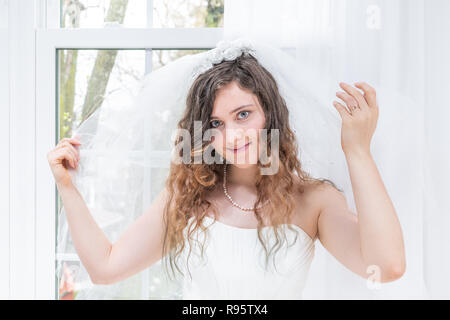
[{"x": 227, "y": 216}]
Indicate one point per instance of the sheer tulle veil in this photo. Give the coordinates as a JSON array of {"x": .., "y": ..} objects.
[{"x": 123, "y": 148}]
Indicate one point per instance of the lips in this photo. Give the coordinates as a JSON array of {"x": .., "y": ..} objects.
[{"x": 240, "y": 148}]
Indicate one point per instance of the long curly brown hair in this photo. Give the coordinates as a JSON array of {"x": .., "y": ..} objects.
[{"x": 189, "y": 183}]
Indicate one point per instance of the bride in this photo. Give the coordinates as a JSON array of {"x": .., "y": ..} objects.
[{"x": 242, "y": 212}]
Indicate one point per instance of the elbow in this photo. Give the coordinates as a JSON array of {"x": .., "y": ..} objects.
[
  {"x": 398, "y": 271},
  {"x": 101, "y": 278},
  {"x": 95, "y": 281},
  {"x": 106, "y": 278},
  {"x": 102, "y": 274},
  {"x": 395, "y": 272}
]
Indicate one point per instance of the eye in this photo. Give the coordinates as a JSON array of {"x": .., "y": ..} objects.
[
  {"x": 246, "y": 113},
  {"x": 214, "y": 123}
]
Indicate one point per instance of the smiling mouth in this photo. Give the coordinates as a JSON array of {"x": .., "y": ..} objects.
[{"x": 245, "y": 147}]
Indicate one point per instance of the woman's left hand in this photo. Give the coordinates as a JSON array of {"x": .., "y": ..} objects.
[{"x": 360, "y": 119}]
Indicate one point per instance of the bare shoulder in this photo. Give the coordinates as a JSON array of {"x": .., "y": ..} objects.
[
  {"x": 323, "y": 194},
  {"x": 310, "y": 202}
]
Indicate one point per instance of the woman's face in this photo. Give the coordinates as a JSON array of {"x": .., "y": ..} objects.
[{"x": 237, "y": 118}]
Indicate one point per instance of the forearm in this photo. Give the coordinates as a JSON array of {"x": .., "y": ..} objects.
[
  {"x": 380, "y": 231},
  {"x": 91, "y": 244}
]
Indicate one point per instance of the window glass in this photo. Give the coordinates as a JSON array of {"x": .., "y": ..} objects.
[
  {"x": 109, "y": 79},
  {"x": 137, "y": 13}
]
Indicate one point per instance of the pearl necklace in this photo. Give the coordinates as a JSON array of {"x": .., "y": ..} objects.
[{"x": 229, "y": 197}]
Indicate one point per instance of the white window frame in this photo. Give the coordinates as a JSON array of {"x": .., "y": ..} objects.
[
  {"x": 17, "y": 164},
  {"x": 48, "y": 41},
  {"x": 4, "y": 159}
]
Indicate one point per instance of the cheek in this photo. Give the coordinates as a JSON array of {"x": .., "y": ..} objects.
[
  {"x": 255, "y": 126},
  {"x": 258, "y": 122},
  {"x": 217, "y": 142}
]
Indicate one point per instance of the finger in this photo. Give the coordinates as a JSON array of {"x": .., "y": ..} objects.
[
  {"x": 348, "y": 99},
  {"x": 369, "y": 93},
  {"x": 75, "y": 147},
  {"x": 71, "y": 147},
  {"x": 342, "y": 110},
  {"x": 69, "y": 140},
  {"x": 76, "y": 140},
  {"x": 65, "y": 155},
  {"x": 71, "y": 158},
  {"x": 355, "y": 94},
  {"x": 71, "y": 162},
  {"x": 72, "y": 153},
  {"x": 64, "y": 140},
  {"x": 75, "y": 158}
]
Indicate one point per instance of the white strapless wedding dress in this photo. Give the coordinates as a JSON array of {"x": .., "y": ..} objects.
[{"x": 233, "y": 266}]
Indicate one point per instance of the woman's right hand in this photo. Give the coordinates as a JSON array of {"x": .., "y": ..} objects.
[{"x": 59, "y": 159}]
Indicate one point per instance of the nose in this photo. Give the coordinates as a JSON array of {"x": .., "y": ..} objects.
[{"x": 234, "y": 137}]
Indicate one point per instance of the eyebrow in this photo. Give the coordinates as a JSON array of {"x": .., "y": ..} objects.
[{"x": 238, "y": 108}]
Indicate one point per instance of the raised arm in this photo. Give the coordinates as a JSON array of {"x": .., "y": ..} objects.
[
  {"x": 373, "y": 238},
  {"x": 139, "y": 247}
]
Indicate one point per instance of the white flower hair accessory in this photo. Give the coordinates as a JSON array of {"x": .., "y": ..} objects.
[{"x": 225, "y": 50}]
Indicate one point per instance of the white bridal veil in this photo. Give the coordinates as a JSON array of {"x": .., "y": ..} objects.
[{"x": 122, "y": 149}]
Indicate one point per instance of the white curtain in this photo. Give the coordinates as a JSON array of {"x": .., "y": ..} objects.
[{"x": 401, "y": 47}]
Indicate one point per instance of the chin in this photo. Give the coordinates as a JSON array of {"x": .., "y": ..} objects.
[
  {"x": 243, "y": 161},
  {"x": 248, "y": 162},
  {"x": 244, "y": 165}
]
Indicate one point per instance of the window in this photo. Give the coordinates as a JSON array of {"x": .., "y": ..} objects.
[
  {"x": 93, "y": 56},
  {"x": 141, "y": 13}
]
